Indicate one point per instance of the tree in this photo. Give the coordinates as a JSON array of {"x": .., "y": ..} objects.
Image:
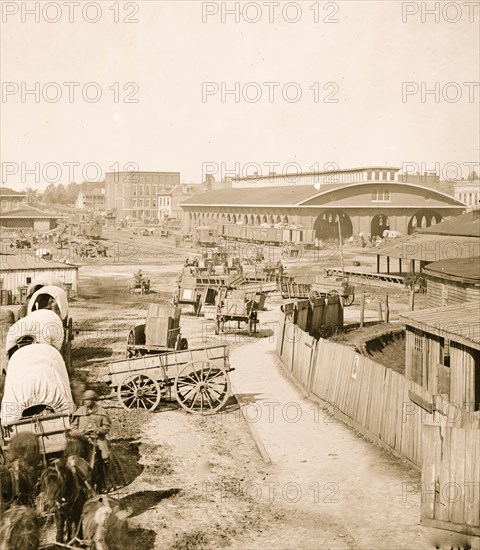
[{"x": 33, "y": 196}]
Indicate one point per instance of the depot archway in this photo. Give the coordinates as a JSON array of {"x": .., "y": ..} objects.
[
  {"x": 423, "y": 218},
  {"x": 379, "y": 224},
  {"x": 326, "y": 226}
]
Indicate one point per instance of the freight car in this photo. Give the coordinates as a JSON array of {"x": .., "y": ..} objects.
[{"x": 276, "y": 236}]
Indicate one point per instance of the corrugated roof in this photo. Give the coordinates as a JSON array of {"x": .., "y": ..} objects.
[
  {"x": 460, "y": 323},
  {"x": 431, "y": 248},
  {"x": 467, "y": 225},
  {"x": 28, "y": 212},
  {"x": 462, "y": 269},
  {"x": 17, "y": 262}
]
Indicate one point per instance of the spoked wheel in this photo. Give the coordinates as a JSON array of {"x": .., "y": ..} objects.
[
  {"x": 333, "y": 293},
  {"x": 202, "y": 387},
  {"x": 139, "y": 391},
  {"x": 348, "y": 300},
  {"x": 314, "y": 294}
]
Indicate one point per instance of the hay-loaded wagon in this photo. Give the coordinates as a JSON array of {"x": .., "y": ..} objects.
[
  {"x": 199, "y": 378},
  {"x": 160, "y": 332},
  {"x": 55, "y": 298},
  {"x": 37, "y": 398},
  {"x": 240, "y": 307}
]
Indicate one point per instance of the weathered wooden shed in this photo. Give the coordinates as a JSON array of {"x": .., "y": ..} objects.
[
  {"x": 443, "y": 352},
  {"x": 451, "y": 282}
]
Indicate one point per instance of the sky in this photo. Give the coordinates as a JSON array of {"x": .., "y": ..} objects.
[{"x": 319, "y": 84}]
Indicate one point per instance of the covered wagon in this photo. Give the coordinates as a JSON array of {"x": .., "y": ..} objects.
[
  {"x": 37, "y": 398},
  {"x": 55, "y": 298}
]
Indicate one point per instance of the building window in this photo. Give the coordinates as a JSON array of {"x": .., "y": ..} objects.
[
  {"x": 134, "y": 203},
  {"x": 418, "y": 342},
  {"x": 381, "y": 195},
  {"x": 445, "y": 352},
  {"x": 140, "y": 189},
  {"x": 140, "y": 203},
  {"x": 147, "y": 203},
  {"x": 134, "y": 190},
  {"x": 147, "y": 190},
  {"x": 392, "y": 176},
  {"x": 384, "y": 175},
  {"x": 377, "y": 176}
]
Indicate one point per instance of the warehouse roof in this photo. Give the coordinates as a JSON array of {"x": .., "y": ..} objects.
[
  {"x": 431, "y": 248},
  {"x": 460, "y": 323},
  {"x": 462, "y": 270},
  {"x": 286, "y": 195},
  {"x": 10, "y": 192},
  {"x": 28, "y": 212},
  {"x": 467, "y": 225},
  {"x": 19, "y": 262}
]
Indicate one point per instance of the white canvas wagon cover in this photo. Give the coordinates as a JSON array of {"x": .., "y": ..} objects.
[
  {"x": 44, "y": 325},
  {"x": 45, "y": 279},
  {"x": 36, "y": 375},
  {"x": 55, "y": 292}
]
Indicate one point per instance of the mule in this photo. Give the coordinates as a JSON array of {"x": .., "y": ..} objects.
[
  {"x": 104, "y": 524},
  {"x": 19, "y": 471},
  {"x": 64, "y": 494}
]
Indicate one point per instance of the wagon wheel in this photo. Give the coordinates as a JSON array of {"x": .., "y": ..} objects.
[
  {"x": 333, "y": 292},
  {"x": 202, "y": 387},
  {"x": 139, "y": 391},
  {"x": 314, "y": 294},
  {"x": 348, "y": 299}
]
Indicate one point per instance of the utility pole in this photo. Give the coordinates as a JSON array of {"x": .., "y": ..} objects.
[{"x": 341, "y": 247}]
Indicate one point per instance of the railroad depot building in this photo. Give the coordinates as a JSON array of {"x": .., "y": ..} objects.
[
  {"x": 29, "y": 219},
  {"x": 365, "y": 200}
]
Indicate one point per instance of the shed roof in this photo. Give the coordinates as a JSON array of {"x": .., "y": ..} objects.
[
  {"x": 467, "y": 225},
  {"x": 21, "y": 262},
  {"x": 431, "y": 248},
  {"x": 462, "y": 269},
  {"x": 460, "y": 323}
]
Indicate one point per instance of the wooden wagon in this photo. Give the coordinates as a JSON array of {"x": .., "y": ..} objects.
[
  {"x": 139, "y": 286},
  {"x": 187, "y": 293},
  {"x": 199, "y": 378},
  {"x": 239, "y": 307},
  {"x": 42, "y": 299},
  {"x": 160, "y": 332},
  {"x": 329, "y": 285}
]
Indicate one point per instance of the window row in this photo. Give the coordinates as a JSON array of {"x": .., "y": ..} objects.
[
  {"x": 379, "y": 176},
  {"x": 381, "y": 195}
]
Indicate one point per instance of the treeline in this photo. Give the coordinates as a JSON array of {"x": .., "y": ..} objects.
[{"x": 59, "y": 193}]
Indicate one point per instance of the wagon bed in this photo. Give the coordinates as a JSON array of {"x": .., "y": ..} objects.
[{"x": 199, "y": 378}]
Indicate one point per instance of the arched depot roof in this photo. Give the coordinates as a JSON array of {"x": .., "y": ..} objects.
[{"x": 336, "y": 195}]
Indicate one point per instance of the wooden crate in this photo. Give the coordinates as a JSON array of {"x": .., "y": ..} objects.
[{"x": 162, "y": 325}]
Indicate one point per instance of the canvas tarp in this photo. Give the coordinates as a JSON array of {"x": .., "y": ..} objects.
[
  {"x": 44, "y": 325},
  {"x": 36, "y": 375},
  {"x": 45, "y": 279},
  {"x": 60, "y": 296}
]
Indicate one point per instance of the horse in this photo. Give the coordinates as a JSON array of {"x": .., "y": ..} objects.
[
  {"x": 84, "y": 448},
  {"x": 65, "y": 494},
  {"x": 20, "y": 529},
  {"x": 20, "y": 471}
]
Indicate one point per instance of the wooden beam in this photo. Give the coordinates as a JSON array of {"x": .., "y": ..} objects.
[
  {"x": 388, "y": 264},
  {"x": 400, "y": 265},
  {"x": 378, "y": 263}
]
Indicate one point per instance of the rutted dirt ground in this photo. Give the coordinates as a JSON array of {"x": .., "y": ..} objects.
[{"x": 201, "y": 483}]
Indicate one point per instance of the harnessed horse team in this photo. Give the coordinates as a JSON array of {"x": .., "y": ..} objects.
[{"x": 68, "y": 479}]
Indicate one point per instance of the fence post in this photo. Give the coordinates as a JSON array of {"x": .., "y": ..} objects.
[
  {"x": 380, "y": 316},
  {"x": 387, "y": 309},
  {"x": 412, "y": 300},
  {"x": 362, "y": 310}
]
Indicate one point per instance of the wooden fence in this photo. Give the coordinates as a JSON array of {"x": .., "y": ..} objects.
[
  {"x": 382, "y": 404},
  {"x": 396, "y": 412},
  {"x": 450, "y": 485}
]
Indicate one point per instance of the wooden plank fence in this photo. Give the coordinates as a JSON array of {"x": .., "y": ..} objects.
[{"x": 396, "y": 412}]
